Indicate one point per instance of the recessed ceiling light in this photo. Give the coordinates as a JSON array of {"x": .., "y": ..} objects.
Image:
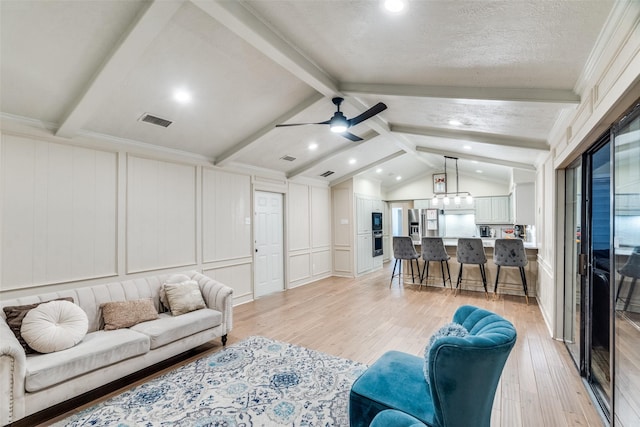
[
  {"x": 455, "y": 122},
  {"x": 313, "y": 146},
  {"x": 352, "y": 161},
  {"x": 394, "y": 6},
  {"x": 398, "y": 178},
  {"x": 478, "y": 171},
  {"x": 467, "y": 147},
  {"x": 379, "y": 170},
  {"x": 182, "y": 96}
]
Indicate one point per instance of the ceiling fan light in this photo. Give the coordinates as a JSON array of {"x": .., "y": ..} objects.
[
  {"x": 338, "y": 128},
  {"x": 338, "y": 123}
]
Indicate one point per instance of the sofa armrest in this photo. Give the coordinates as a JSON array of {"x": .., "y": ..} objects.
[
  {"x": 13, "y": 369},
  {"x": 217, "y": 296}
]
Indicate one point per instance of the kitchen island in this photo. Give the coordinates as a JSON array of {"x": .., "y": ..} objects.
[{"x": 509, "y": 284}]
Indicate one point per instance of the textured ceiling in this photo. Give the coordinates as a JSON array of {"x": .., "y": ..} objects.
[{"x": 506, "y": 70}]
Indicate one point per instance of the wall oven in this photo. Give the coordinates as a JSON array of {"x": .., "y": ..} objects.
[
  {"x": 376, "y": 229},
  {"x": 377, "y": 243}
]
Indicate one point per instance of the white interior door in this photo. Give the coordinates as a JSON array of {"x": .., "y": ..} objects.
[{"x": 269, "y": 246}]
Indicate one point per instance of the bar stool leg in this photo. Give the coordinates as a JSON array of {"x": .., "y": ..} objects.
[
  {"x": 483, "y": 274},
  {"x": 425, "y": 272},
  {"x": 459, "y": 279},
  {"x": 393, "y": 273},
  {"x": 524, "y": 284},
  {"x": 495, "y": 287},
  {"x": 413, "y": 280},
  {"x": 448, "y": 274}
]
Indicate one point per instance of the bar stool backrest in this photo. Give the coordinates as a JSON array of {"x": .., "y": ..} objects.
[
  {"x": 433, "y": 249},
  {"x": 509, "y": 253},
  {"x": 403, "y": 248},
  {"x": 471, "y": 251}
]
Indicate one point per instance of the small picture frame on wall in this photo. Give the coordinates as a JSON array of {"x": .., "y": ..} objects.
[{"x": 439, "y": 183}]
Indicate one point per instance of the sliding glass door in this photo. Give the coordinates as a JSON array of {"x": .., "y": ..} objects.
[{"x": 626, "y": 256}]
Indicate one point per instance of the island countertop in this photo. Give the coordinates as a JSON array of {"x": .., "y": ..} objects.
[{"x": 486, "y": 242}]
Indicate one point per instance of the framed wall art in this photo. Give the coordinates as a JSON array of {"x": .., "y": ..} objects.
[{"x": 439, "y": 183}]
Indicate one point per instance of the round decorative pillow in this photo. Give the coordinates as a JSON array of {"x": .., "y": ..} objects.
[{"x": 54, "y": 326}]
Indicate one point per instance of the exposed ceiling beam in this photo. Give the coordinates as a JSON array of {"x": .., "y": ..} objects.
[
  {"x": 149, "y": 23},
  {"x": 482, "y": 137},
  {"x": 237, "y": 17},
  {"x": 309, "y": 165},
  {"x": 466, "y": 156},
  {"x": 343, "y": 178},
  {"x": 244, "y": 145},
  {"x": 551, "y": 96}
]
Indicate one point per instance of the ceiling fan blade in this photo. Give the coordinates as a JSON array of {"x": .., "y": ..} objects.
[
  {"x": 378, "y": 108},
  {"x": 326, "y": 122},
  {"x": 351, "y": 136}
]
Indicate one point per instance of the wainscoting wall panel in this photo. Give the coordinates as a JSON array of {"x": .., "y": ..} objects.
[
  {"x": 59, "y": 213},
  {"x": 161, "y": 214},
  {"x": 320, "y": 217},
  {"x": 298, "y": 218},
  {"x": 226, "y": 215},
  {"x": 299, "y": 267},
  {"x": 237, "y": 276}
]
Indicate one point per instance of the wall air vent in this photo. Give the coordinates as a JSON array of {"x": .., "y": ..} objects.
[
  {"x": 326, "y": 174},
  {"x": 287, "y": 158},
  {"x": 148, "y": 118}
]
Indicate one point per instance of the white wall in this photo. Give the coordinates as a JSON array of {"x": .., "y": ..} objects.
[
  {"x": 422, "y": 187},
  {"x": 343, "y": 229},
  {"x": 88, "y": 211}
]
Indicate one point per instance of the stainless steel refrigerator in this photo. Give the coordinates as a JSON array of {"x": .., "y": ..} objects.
[{"x": 430, "y": 221}]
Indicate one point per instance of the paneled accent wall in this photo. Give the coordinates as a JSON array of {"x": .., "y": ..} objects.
[
  {"x": 161, "y": 214},
  {"x": 309, "y": 220},
  {"x": 342, "y": 219},
  {"x": 75, "y": 215},
  {"x": 59, "y": 213},
  {"x": 226, "y": 216}
]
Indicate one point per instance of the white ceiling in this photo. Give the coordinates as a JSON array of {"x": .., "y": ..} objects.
[{"x": 506, "y": 70}]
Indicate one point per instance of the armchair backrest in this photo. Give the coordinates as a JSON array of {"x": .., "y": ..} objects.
[{"x": 464, "y": 371}]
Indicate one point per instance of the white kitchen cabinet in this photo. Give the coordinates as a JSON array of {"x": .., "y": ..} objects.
[
  {"x": 364, "y": 250},
  {"x": 492, "y": 210},
  {"x": 500, "y": 210},
  {"x": 422, "y": 204},
  {"x": 524, "y": 206},
  {"x": 483, "y": 210}
]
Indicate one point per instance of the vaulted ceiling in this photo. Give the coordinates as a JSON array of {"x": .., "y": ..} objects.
[{"x": 485, "y": 81}]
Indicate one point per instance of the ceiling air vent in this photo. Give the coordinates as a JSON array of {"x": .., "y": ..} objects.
[
  {"x": 287, "y": 158},
  {"x": 148, "y": 118},
  {"x": 326, "y": 174}
]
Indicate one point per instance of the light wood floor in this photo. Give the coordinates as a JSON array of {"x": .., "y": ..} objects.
[{"x": 361, "y": 318}]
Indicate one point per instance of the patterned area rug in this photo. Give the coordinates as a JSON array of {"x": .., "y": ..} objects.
[{"x": 256, "y": 382}]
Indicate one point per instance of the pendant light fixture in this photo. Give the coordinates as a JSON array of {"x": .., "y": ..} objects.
[{"x": 457, "y": 199}]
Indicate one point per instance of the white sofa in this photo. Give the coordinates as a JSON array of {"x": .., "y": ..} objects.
[{"x": 33, "y": 382}]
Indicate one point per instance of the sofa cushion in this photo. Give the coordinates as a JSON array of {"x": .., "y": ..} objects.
[
  {"x": 123, "y": 314},
  {"x": 97, "y": 350},
  {"x": 184, "y": 297},
  {"x": 15, "y": 315},
  {"x": 54, "y": 326},
  {"x": 170, "y": 328}
]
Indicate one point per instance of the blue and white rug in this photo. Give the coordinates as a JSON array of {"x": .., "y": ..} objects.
[{"x": 256, "y": 382}]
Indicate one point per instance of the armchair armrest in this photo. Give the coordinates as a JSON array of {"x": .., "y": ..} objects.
[{"x": 13, "y": 369}]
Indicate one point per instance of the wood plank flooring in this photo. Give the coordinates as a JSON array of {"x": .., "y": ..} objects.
[{"x": 362, "y": 318}]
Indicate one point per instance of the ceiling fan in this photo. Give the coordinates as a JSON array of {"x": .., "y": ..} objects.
[{"x": 339, "y": 123}]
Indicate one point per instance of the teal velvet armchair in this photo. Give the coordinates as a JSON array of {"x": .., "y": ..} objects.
[{"x": 463, "y": 377}]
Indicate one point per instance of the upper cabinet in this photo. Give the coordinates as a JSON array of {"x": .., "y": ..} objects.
[
  {"x": 492, "y": 210},
  {"x": 524, "y": 204}
]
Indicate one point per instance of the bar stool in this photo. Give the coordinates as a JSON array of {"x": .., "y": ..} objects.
[
  {"x": 630, "y": 269},
  {"x": 433, "y": 250},
  {"x": 510, "y": 253},
  {"x": 471, "y": 251},
  {"x": 403, "y": 249}
]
